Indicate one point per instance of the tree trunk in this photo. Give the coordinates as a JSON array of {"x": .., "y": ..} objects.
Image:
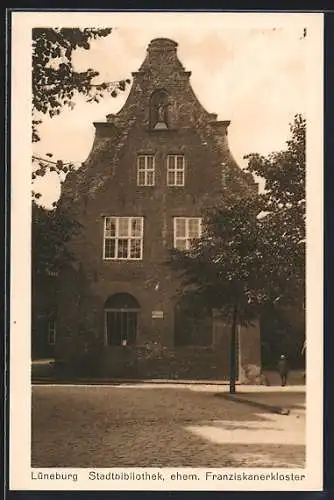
[{"x": 233, "y": 342}]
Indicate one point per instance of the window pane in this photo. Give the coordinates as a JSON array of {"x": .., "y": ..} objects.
[
  {"x": 141, "y": 162},
  {"x": 110, "y": 227},
  {"x": 170, "y": 178},
  {"x": 123, "y": 248},
  {"x": 150, "y": 179},
  {"x": 123, "y": 227},
  {"x": 136, "y": 227},
  {"x": 109, "y": 248},
  {"x": 193, "y": 228},
  {"x": 180, "y": 228},
  {"x": 180, "y": 163},
  {"x": 141, "y": 178},
  {"x": 150, "y": 162},
  {"x": 181, "y": 244},
  {"x": 171, "y": 162},
  {"x": 135, "y": 249},
  {"x": 179, "y": 178}
]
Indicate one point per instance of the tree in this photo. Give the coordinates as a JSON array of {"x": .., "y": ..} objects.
[
  {"x": 283, "y": 225},
  {"x": 283, "y": 205},
  {"x": 51, "y": 230},
  {"x": 55, "y": 81},
  {"x": 221, "y": 269},
  {"x": 252, "y": 251}
]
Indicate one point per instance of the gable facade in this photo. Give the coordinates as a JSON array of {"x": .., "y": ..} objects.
[{"x": 154, "y": 166}]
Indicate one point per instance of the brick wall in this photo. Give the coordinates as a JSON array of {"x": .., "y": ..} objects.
[{"x": 152, "y": 362}]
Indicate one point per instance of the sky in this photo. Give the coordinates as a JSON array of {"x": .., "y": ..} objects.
[{"x": 254, "y": 76}]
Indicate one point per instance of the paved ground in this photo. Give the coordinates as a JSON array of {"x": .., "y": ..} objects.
[
  {"x": 295, "y": 377},
  {"x": 285, "y": 397},
  {"x": 158, "y": 426}
]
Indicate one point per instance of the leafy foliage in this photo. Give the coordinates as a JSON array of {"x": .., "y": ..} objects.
[
  {"x": 55, "y": 81},
  {"x": 51, "y": 230},
  {"x": 45, "y": 166},
  {"x": 220, "y": 270},
  {"x": 252, "y": 252},
  {"x": 283, "y": 204}
]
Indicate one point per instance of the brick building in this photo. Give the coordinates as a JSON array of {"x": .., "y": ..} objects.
[{"x": 152, "y": 169}]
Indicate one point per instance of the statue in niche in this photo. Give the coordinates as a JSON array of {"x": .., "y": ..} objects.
[
  {"x": 162, "y": 112},
  {"x": 159, "y": 110}
]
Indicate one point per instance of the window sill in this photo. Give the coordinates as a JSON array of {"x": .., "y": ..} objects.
[{"x": 122, "y": 260}]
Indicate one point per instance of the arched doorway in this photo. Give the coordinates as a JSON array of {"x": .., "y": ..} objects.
[{"x": 121, "y": 319}]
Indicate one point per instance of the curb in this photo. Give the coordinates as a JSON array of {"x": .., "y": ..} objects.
[
  {"x": 45, "y": 381},
  {"x": 273, "y": 409}
]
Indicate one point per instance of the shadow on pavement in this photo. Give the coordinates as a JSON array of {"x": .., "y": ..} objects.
[{"x": 135, "y": 427}]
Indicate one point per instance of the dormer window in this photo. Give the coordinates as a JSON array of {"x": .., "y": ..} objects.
[
  {"x": 145, "y": 170},
  {"x": 175, "y": 170}
]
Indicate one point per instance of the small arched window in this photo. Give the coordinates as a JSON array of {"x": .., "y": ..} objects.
[{"x": 159, "y": 104}]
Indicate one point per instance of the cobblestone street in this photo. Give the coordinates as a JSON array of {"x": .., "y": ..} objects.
[{"x": 158, "y": 426}]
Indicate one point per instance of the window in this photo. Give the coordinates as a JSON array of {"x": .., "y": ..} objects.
[
  {"x": 175, "y": 170},
  {"x": 121, "y": 320},
  {"x": 192, "y": 324},
  {"x": 123, "y": 238},
  {"x": 185, "y": 230},
  {"x": 145, "y": 170},
  {"x": 51, "y": 331}
]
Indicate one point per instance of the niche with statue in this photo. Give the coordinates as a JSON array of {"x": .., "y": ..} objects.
[{"x": 159, "y": 110}]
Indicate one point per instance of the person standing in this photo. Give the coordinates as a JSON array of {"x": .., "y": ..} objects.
[{"x": 283, "y": 369}]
